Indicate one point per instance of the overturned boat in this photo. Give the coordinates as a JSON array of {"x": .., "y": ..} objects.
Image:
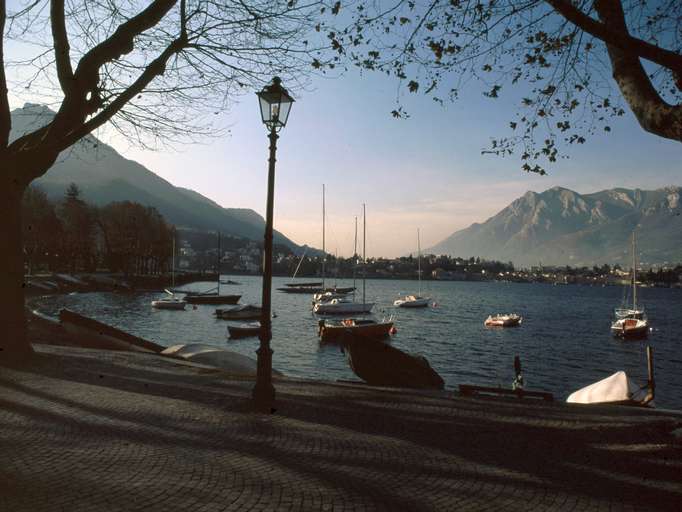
[
  {"x": 380, "y": 364},
  {"x": 618, "y": 389}
]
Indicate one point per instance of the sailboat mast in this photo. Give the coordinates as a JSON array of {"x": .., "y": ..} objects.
[
  {"x": 634, "y": 273},
  {"x": 218, "y": 267},
  {"x": 364, "y": 251},
  {"x": 355, "y": 255},
  {"x": 173, "y": 262},
  {"x": 419, "y": 262},
  {"x": 324, "y": 252}
]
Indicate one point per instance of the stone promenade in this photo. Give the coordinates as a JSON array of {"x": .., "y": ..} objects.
[{"x": 92, "y": 430}]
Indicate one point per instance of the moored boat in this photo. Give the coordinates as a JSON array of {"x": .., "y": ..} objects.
[
  {"x": 508, "y": 320},
  {"x": 415, "y": 301},
  {"x": 631, "y": 323},
  {"x": 243, "y": 330},
  {"x": 212, "y": 299},
  {"x": 242, "y": 312},
  {"x": 342, "y": 306},
  {"x": 354, "y": 327},
  {"x": 412, "y": 301},
  {"x": 171, "y": 302}
]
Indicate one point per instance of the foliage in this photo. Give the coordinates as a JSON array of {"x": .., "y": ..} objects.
[
  {"x": 78, "y": 223},
  {"x": 73, "y": 235},
  {"x": 554, "y": 59}
]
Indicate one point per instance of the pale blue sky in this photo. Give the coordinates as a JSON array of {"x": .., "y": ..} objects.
[{"x": 423, "y": 172}]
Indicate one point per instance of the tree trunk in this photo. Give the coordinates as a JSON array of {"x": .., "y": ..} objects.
[{"x": 14, "y": 344}]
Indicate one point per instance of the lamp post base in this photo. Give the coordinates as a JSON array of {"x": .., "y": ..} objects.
[{"x": 264, "y": 392}]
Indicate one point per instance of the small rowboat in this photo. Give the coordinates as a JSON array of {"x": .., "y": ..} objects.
[
  {"x": 510, "y": 320},
  {"x": 243, "y": 330},
  {"x": 355, "y": 327},
  {"x": 244, "y": 312}
]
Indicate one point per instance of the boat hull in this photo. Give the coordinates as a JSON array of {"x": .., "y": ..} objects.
[
  {"x": 416, "y": 303},
  {"x": 343, "y": 308},
  {"x": 97, "y": 334},
  {"x": 240, "y": 313},
  {"x": 380, "y": 364},
  {"x": 212, "y": 299},
  {"x": 243, "y": 330},
  {"x": 337, "y": 333},
  {"x": 513, "y": 321},
  {"x": 174, "y": 305}
]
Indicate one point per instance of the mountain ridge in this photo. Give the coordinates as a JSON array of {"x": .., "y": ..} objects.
[
  {"x": 562, "y": 227},
  {"x": 104, "y": 175}
]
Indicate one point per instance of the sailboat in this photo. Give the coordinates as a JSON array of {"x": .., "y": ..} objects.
[
  {"x": 327, "y": 294},
  {"x": 170, "y": 302},
  {"x": 342, "y": 305},
  {"x": 415, "y": 301},
  {"x": 632, "y": 322},
  {"x": 212, "y": 296}
]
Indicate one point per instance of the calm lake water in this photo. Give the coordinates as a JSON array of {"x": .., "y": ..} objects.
[{"x": 564, "y": 342}]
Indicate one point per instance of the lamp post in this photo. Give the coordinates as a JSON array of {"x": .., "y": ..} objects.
[{"x": 275, "y": 104}]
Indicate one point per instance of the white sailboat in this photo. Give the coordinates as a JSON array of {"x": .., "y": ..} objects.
[
  {"x": 170, "y": 302},
  {"x": 326, "y": 295},
  {"x": 631, "y": 322},
  {"x": 415, "y": 301},
  {"x": 342, "y": 305}
]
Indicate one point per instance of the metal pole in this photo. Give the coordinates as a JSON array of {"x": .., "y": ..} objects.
[{"x": 264, "y": 391}]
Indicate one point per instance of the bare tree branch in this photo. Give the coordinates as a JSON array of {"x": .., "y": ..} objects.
[
  {"x": 619, "y": 39},
  {"x": 62, "y": 50},
  {"x": 5, "y": 119},
  {"x": 652, "y": 112}
]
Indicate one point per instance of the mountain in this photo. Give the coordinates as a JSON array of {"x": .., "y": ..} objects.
[
  {"x": 104, "y": 176},
  {"x": 561, "y": 227}
]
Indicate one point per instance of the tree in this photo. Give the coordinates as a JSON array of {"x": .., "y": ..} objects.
[
  {"x": 154, "y": 70},
  {"x": 136, "y": 238},
  {"x": 42, "y": 229},
  {"x": 78, "y": 221},
  {"x": 556, "y": 56}
]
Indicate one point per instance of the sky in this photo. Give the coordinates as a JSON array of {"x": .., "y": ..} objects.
[{"x": 424, "y": 172}]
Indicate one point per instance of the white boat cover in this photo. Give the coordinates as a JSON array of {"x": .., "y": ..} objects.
[
  {"x": 616, "y": 388},
  {"x": 215, "y": 356}
]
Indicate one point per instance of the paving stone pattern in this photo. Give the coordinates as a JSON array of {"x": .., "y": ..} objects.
[{"x": 93, "y": 430}]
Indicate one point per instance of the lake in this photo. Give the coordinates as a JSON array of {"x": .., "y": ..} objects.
[{"x": 564, "y": 342}]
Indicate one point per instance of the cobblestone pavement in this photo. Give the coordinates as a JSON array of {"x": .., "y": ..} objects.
[{"x": 89, "y": 430}]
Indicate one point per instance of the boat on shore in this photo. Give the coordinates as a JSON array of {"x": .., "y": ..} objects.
[
  {"x": 619, "y": 389},
  {"x": 380, "y": 364},
  {"x": 240, "y": 312},
  {"x": 96, "y": 333},
  {"x": 337, "y": 331},
  {"x": 243, "y": 330},
  {"x": 507, "y": 320}
]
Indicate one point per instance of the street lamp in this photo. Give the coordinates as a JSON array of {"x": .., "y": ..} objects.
[{"x": 275, "y": 104}]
